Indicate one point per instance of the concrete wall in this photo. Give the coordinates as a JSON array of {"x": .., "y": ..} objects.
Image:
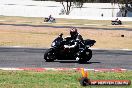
[{"x": 29, "y": 8}]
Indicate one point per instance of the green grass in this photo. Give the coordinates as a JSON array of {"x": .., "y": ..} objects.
[{"x": 55, "y": 79}]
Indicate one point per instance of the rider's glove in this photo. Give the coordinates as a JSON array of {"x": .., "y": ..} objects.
[{"x": 66, "y": 46}]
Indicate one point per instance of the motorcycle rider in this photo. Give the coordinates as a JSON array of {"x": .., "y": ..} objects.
[
  {"x": 50, "y": 18},
  {"x": 78, "y": 42}
]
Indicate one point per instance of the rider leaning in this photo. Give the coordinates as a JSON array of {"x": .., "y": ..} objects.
[
  {"x": 75, "y": 35},
  {"x": 77, "y": 38},
  {"x": 50, "y": 18}
]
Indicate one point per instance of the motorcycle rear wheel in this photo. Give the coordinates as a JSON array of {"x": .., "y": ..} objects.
[
  {"x": 88, "y": 54},
  {"x": 49, "y": 56},
  {"x": 86, "y": 57}
]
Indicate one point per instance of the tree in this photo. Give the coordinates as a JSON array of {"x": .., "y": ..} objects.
[
  {"x": 124, "y": 5},
  {"x": 69, "y": 4}
]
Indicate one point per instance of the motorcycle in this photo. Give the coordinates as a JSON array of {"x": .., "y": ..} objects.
[
  {"x": 59, "y": 52},
  {"x": 49, "y": 20}
]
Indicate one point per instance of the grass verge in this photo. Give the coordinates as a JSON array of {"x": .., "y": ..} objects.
[{"x": 56, "y": 79}]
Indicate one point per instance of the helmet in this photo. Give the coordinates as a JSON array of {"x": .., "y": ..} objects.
[{"x": 73, "y": 32}]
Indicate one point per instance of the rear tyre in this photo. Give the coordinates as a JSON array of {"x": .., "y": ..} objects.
[
  {"x": 82, "y": 60},
  {"x": 88, "y": 54},
  {"x": 49, "y": 55},
  {"x": 54, "y": 20},
  {"x": 86, "y": 57}
]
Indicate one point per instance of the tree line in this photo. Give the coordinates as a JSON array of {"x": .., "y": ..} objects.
[
  {"x": 124, "y": 4},
  {"x": 93, "y": 1}
]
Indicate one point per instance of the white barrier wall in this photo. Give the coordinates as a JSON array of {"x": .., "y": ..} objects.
[{"x": 29, "y": 8}]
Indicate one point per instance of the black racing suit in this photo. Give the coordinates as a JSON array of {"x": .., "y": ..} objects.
[{"x": 78, "y": 44}]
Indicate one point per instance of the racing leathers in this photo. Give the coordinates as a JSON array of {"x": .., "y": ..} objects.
[{"x": 77, "y": 43}]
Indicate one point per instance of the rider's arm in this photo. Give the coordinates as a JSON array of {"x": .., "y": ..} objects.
[
  {"x": 72, "y": 46},
  {"x": 79, "y": 38},
  {"x": 66, "y": 46}
]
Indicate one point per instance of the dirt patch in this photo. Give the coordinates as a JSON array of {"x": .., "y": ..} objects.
[
  {"x": 43, "y": 36},
  {"x": 106, "y": 35}
]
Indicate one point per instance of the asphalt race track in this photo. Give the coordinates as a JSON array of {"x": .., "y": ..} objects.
[{"x": 32, "y": 57}]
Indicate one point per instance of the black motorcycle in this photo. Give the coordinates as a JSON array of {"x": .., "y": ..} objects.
[
  {"x": 116, "y": 22},
  {"x": 49, "y": 20},
  {"x": 58, "y": 52}
]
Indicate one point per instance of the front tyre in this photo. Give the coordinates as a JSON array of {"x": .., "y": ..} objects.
[{"x": 49, "y": 55}]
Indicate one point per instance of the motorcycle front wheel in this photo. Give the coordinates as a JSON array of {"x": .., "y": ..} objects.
[{"x": 49, "y": 55}]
